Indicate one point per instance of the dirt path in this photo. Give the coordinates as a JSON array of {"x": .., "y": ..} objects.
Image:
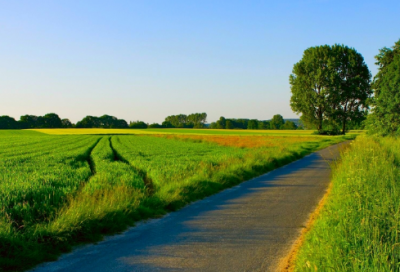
[{"x": 250, "y": 227}]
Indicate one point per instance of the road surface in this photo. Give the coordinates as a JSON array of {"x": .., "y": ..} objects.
[{"x": 250, "y": 227}]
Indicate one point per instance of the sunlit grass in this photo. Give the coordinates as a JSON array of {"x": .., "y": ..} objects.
[
  {"x": 60, "y": 190},
  {"x": 359, "y": 227},
  {"x": 246, "y": 141},
  {"x": 97, "y": 131}
]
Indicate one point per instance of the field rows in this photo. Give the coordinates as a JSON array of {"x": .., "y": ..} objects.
[{"x": 59, "y": 190}]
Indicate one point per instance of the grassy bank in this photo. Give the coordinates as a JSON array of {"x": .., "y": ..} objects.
[{"x": 359, "y": 227}]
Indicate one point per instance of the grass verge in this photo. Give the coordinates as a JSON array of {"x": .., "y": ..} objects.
[{"x": 358, "y": 228}]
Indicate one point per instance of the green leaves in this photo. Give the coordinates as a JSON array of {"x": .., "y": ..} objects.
[
  {"x": 330, "y": 85},
  {"x": 385, "y": 117}
]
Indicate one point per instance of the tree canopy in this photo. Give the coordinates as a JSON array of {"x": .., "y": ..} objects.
[
  {"x": 289, "y": 125},
  {"x": 331, "y": 84},
  {"x": 194, "y": 120},
  {"x": 7, "y": 122},
  {"x": 277, "y": 122},
  {"x": 385, "y": 116},
  {"x": 105, "y": 121},
  {"x": 50, "y": 120},
  {"x": 138, "y": 124}
]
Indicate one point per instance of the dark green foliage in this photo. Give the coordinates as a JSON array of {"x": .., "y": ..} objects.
[
  {"x": 155, "y": 125},
  {"x": 89, "y": 122},
  {"x": 50, "y": 120},
  {"x": 289, "y": 125},
  {"x": 240, "y": 123},
  {"x": 167, "y": 124},
  {"x": 229, "y": 124},
  {"x": 105, "y": 121},
  {"x": 221, "y": 123},
  {"x": 138, "y": 124},
  {"x": 232, "y": 123},
  {"x": 351, "y": 88},
  {"x": 276, "y": 121},
  {"x": 330, "y": 85},
  {"x": 197, "y": 119},
  {"x": 7, "y": 122},
  {"x": 252, "y": 124},
  {"x": 177, "y": 121},
  {"x": 66, "y": 123},
  {"x": 31, "y": 121},
  {"x": 263, "y": 124},
  {"x": 194, "y": 120},
  {"x": 385, "y": 117},
  {"x": 213, "y": 125}
]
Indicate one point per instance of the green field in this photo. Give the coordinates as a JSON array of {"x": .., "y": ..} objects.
[
  {"x": 61, "y": 190},
  {"x": 359, "y": 227},
  {"x": 100, "y": 131}
]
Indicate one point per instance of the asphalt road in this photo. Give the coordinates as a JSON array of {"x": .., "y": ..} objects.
[{"x": 249, "y": 227}]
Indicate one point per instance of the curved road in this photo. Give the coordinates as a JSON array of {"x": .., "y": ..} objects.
[{"x": 249, "y": 227}]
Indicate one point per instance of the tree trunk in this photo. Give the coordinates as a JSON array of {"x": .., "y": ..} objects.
[
  {"x": 320, "y": 120},
  {"x": 344, "y": 118},
  {"x": 344, "y": 126}
]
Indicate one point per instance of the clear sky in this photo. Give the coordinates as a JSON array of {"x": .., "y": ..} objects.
[{"x": 144, "y": 60}]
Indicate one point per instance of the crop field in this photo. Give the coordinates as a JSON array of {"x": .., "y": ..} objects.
[
  {"x": 100, "y": 131},
  {"x": 57, "y": 191}
]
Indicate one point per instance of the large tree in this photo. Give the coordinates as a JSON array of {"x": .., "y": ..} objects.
[
  {"x": 385, "y": 117},
  {"x": 330, "y": 84},
  {"x": 351, "y": 86}
]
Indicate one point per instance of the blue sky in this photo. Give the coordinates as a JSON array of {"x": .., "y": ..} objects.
[{"x": 144, "y": 60}]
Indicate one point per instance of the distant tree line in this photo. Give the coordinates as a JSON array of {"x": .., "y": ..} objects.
[
  {"x": 277, "y": 122},
  {"x": 105, "y": 121},
  {"x": 50, "y": 120},
  {"x": 194, "y": 120}
]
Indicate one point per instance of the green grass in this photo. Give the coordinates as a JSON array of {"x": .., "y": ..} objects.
[
  {"x": 62, "y": 190},
  {"x": 359, "y": 227}
]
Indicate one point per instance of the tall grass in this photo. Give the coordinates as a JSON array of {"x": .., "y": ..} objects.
[{"x": 359, "y": 227}]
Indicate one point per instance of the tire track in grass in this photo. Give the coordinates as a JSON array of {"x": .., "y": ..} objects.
[
  {"x": 148, "y": 182},
  {"x": 89, "y": 158}
]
